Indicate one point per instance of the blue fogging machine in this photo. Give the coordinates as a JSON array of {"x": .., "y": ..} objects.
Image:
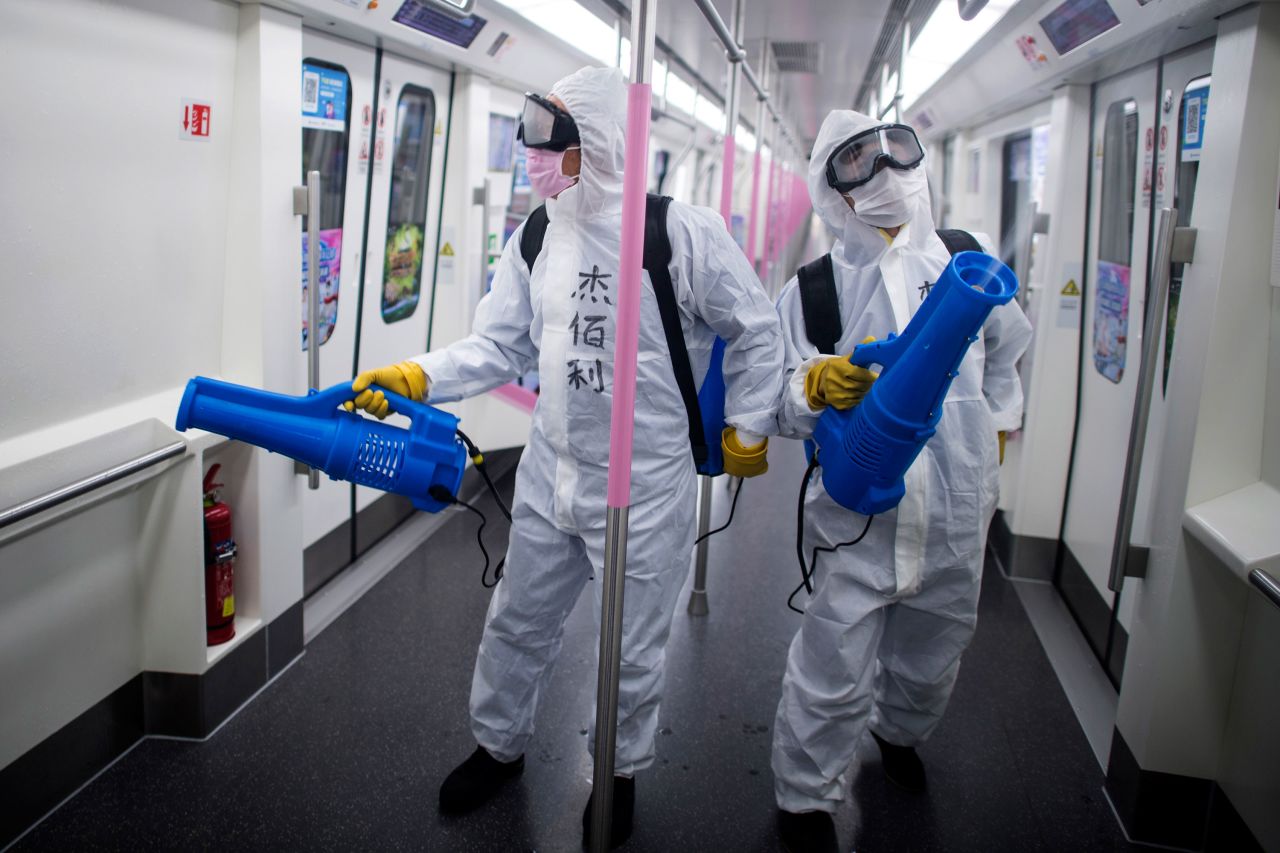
[
  {"x": 865, "y": 451},
  {"x": 345, "y": 445}
]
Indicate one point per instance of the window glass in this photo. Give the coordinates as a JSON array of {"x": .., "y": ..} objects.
[
  {"x": 326, "y": 129},
  {"x": 1115, "y": 239},
  {"x": 1119, "y": 182},
  {"x": 1015, "y": 198},
  {"x": 407, "y": 216}
]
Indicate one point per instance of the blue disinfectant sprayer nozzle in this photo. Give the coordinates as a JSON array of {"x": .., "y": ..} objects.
[
  {"x": 865, "y": 451},
  {"x": 316, "y": 431}
]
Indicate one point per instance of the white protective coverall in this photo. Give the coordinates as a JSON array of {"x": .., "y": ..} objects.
[
  {"x": 560, "y": 318},
  {"x": 882, "y": 636}
]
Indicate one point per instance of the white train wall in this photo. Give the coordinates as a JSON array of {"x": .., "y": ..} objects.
[{"x": 1191, "y": 693}]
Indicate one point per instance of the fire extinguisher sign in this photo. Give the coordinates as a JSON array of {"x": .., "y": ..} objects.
[{"x": 195, "y": 119}]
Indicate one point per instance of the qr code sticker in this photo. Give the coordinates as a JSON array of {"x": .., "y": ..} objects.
[
  {"x": 1191, "y": 128},
  {"x": 310, "y": 92}
]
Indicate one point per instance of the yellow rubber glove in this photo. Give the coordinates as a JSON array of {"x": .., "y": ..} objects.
[
  {"x": 742, "y": 461},
  {"x": 835, "y": 382},
  {"x": 1000, "y": 437},
  {"x": 406, "y": 379}
]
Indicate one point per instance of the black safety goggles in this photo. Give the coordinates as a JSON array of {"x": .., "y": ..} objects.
[
  {"x": 544, "y": 125},
  {"x": 862, "y": 155}
]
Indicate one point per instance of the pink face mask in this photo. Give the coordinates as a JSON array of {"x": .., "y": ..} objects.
[{"x": 545, "y": 173}]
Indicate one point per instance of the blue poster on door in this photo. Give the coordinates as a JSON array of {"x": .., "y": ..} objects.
[
  {"x": 1195, "y": 106},
  {"x": 324, "y": 97},
  {"x": 1111, "y": 320}
]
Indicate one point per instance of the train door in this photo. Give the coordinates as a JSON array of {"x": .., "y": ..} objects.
[
  {"x": 1124, "y": 113},
  {"x": 407, "y": 164},
  {"x": 337, "y": 79},
  {"x": 1133, "y": 172}
]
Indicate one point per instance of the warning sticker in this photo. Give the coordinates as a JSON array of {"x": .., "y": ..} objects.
[
  {"x": 446, "y": 251},
  {"x": 1068, "y": 316}
]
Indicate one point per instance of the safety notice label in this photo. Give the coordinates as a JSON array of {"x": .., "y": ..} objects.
[{"x": 1069, "y": 306}]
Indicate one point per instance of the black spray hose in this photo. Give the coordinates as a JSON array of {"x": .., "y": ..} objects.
[
  {"x": 732, "y": 508},
  {"x": 807, "y": 568},
  {"x": 444, "y": 496},
  {"x": 477, "y": 459}
]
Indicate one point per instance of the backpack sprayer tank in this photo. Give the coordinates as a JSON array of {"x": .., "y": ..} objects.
[
  {"x": 346, "y": 446},
  {"x": 865, "y": 451}
]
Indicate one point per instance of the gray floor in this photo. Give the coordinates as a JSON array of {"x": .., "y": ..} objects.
[{"x": 346, "y": 750}]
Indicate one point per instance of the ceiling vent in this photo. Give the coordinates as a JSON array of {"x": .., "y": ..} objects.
[{"x": 798, "y": 57}]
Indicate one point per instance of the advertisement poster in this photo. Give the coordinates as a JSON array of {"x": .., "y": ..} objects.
[
  {"x": 324, "y": 98},
  {"x": 1111, "y": 320},
  {"x": 330, "y": 266},
  {"x": 402, "y": 272},
  {"x": 502, "y": 142}
]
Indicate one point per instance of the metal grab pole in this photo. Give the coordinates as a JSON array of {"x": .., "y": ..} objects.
[
  {"x": 698, "y": 595},
  {"x": 735, "y": 57},
  {"x": 1161, "y": 269},
  {"x": 313, "y": 296},
  {"x": 622, "y": 419}
]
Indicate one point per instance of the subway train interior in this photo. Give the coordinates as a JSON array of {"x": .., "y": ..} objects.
[{"x": 236, "y": 613}]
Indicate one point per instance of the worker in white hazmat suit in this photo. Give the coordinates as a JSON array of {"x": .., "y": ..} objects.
[
  {"x": 560, "y": 318},
  {"x": 880, "y": 642}
]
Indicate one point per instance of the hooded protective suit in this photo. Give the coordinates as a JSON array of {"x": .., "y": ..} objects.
[
  {"x": 560, "y": 318},
  {"x": 882, "y": 636}
]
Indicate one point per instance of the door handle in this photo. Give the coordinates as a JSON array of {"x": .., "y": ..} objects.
[
  {"x": 1173, "y": 245},
  {"x": 306, "y": 201}
]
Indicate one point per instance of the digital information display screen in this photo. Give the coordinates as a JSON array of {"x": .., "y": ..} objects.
[
  {"x": 1078, "y": 21},
  {"x": 421, "y": 17}
]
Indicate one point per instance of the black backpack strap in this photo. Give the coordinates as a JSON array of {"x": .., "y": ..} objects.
[
  {"x": 657, "y": 257},
  {"x": 535, "y": 228},
  {"x": 958, "y": 241},
  {"x": 820, "y": 304}
]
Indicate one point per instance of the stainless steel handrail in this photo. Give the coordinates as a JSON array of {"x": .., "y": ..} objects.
[
  {"x": 1161, "y": 271},
  {"x": 1269, "y": 586},
  {"x": 61, "y": 495},
  {"x": 739, "y": 56},
  {"x": 313, "y": 296}
]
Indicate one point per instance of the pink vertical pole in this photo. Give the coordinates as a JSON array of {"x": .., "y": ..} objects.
[
  {"x": 769, "y": 218},
  {"x": 755, "y": 200},
  {"x": 726, "y": 182},
  {"x": 634, "y": 184},
  {"x": 635, "y": 181}
]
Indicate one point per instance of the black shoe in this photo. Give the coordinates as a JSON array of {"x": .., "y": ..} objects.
[
  {"x": 807, "y": 832},
  {"x": 901, "y": 765},
  {"x": 474, "y": 782},
  {"x": 624, "y": 809}
]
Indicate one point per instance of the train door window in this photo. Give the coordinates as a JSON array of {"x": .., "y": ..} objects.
[
  {"x": 1115, "y": 238},
  {"x": 1190, "y": 133},
  {"x": 326, "y": 129},
  {"x": 1015, "y": 197},
  {"x": 407, "y": 214}
]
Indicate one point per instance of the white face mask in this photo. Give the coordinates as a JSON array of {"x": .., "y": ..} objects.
[
  {"x": 862, "y": 242},
  {"x": 887, "y": 200}
]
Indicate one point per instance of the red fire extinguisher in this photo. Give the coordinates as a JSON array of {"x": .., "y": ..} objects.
[{"x": 219, "y": 565}]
